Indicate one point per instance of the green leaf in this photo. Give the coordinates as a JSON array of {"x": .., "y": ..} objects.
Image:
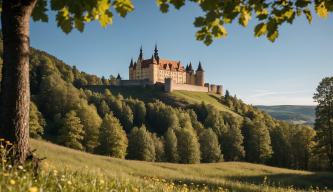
[
  {"x": 260, "y": 29},
  {"x": 39, "y": 12},
  {"x": 302, "y": 3},
  {"x": 244, "y": 17},
  {"x": 272, "y": 30},
  {"x": 123, "y": 7},
  {"x": 321, "y": 10},
  {"x": 262, "y": 14},
  {"x": 178, "y": 3},
  {"x": 308, "y": 15},
  {"x": 79, "y": 24},
  {"x": 219, "y": 31},
  {"x": 164, "y": 7},
  {"x": 105, "y": 19},
  {"x": 64, "y": 20},
  {"x": 199, "y": 22}
]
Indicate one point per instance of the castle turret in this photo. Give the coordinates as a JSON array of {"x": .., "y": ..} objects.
[
  {"x": 156, "y": 54},
  {"x": 190, "y": 78},
  {"x": 140, "y": 55},
  {"x": 131, "y": 70},
  {"x": 199, "y": 77}
]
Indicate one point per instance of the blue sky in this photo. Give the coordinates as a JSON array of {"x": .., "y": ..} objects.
[{"x": 256, "y": 70}]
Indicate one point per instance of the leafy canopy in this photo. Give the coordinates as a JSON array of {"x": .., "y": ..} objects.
[{"x": 269, "y": 14}]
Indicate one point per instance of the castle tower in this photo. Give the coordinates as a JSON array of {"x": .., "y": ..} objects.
[
  {"x": 190, "y": 74},
  {"x": 199, "y": 77},
  {"x": 131, "y": 70},
  {"x": 138, "y": 69}
]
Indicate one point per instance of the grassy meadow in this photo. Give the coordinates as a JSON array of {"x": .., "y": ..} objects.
[{"x": 70, "y": 170}]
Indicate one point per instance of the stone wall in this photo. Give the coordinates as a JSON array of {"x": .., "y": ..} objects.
[
  {"x": 129, "y": 83},
  {"x": 170, "y": 86}
]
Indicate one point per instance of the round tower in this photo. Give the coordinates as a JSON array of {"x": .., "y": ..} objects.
[
  {"x": 219, "y": 90},
  {"x": 200, "y": 76}
]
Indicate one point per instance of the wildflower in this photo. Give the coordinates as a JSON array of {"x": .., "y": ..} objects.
[
  {"x": 20, "y": 167},
  {"x": 12, "y": 182},
  {"x": 8, "y": 143},
  {"x": 69, "y": 182},
  {"x": 101, "y": 181},
  {"x": 33, "y": 189}
]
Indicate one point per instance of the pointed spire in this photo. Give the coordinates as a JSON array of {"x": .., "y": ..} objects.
[
  {"x": 200, "y": 67},
  {"x": 156, "y": 53},
  {"x": 186, "y": 67},
  {"x": 190, "y": 68},
  {"x": 141, "y": 54},
  {"x": 118, "y": 77},
  {"x": 131, "y": 64}
]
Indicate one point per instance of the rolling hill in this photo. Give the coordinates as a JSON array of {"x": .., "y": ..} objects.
[
  {"x": 292, "y": 113},
  {"x": 234, "y": 176}
]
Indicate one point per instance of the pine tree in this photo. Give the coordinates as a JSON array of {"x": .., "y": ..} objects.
[
  {"x": 141, "y": 145},
  {"x": 112, "y": 138},
  {"x": 171, "y": 151},
  {"x": 71, "y": 132},
  {"x": 209, "y": 147}
]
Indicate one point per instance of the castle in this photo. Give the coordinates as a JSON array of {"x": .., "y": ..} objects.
[
  {"x": 169, "y": 73},
  {"x": 156, "y": 70}
]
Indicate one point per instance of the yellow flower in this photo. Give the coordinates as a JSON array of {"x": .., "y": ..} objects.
[
  {"x": 20, "y": 167},
  {"x": 8, "y": 143},
  {"x": 12, "y": 182},
  {"x": 69, "y": 182},
  {"x": 33, "y": 189}
]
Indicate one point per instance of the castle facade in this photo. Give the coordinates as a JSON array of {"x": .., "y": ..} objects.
[{"x": 157, "y": 70}]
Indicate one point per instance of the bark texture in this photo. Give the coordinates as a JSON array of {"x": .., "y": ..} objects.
[{"x": 15, "y": 89}]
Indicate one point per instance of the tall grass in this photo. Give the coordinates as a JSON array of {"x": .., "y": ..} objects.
[{"x": 70, "y": 170}]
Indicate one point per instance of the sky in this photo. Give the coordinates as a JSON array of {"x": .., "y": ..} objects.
[{"x": 259, "y": 72}]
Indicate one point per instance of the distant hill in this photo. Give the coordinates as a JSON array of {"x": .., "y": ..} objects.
[{"x": 298, "y": 114}]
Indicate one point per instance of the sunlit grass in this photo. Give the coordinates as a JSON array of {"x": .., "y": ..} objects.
[{"x": 85, "y": 169}]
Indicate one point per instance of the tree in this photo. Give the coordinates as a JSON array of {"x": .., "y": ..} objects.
[
  {"x": 159, "y": 148},
  {"x": 112, "y": 138},
  {"x": 103, "y": 108},
  {"x": 324, "y": 118},
  {"x": 36, "y": 122},
  {"x": 171, "y": 151},
  {"x": 15, "y": 19},
  {"x": 257, "y": 141},
  {"x": 188, "y": 145},
  {"x": 91, "y": 123},
  {"x": 210, "y": 147},
  {"x": 141, "y": 145},
  {"x": 71, "y": 133}
]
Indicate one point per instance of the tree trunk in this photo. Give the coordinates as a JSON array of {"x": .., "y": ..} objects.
[{"x": 15, "y": 89}]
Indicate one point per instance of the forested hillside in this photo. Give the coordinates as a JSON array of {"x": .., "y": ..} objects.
[{"x": 166, "y": 128}]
